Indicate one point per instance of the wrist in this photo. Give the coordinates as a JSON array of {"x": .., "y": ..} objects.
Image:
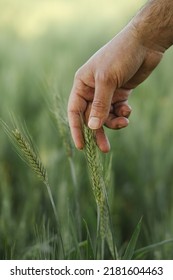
[{"x": 154, "y": 25}]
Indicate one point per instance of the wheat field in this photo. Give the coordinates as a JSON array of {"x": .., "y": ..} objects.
[{"x": 42, "y": 44}]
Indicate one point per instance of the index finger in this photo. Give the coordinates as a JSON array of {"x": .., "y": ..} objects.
[{"x": 76, "y": 108}]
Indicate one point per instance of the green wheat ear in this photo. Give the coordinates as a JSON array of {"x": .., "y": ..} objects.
[
  {"x": 24, "y": 147},
  {"x": 30, "y": 156},
  {"x": 98, "y": 186}
]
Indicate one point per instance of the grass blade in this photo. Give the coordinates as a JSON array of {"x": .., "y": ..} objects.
[
  {"x": 142, "y": 251},
  {"x": 90, "y": 250},
  {"x": 132, "y": 243}
]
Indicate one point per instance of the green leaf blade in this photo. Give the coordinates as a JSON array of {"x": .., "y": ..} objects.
[{"x": 129, "y": 252}]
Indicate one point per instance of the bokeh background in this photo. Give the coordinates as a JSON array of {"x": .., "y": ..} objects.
[{"x": 42, "y": 44}]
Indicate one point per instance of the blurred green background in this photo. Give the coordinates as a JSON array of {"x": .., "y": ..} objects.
[{"x": 42, "y": 44}]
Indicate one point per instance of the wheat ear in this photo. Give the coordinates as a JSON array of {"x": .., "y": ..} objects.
[
  {"x": 27, "y": 153},
  {"x": 30, "y": 156},
  {"x": 99, "y": 190},
  {"x": 98, "y": 184},
  {"x": 32, "y": 159}
]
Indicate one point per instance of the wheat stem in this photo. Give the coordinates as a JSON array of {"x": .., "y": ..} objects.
[
  {"x": 63, "y": 128},
  {"x": 27, "y": 153},
  {"x": 34, "y": 162}
]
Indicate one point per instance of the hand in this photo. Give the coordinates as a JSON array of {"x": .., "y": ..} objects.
[{"x": 102, "y": 85}]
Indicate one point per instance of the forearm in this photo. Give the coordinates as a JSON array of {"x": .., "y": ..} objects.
[{"x": 154, "y": 24}]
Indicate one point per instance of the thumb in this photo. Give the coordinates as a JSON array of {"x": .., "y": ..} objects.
[{"x": 101, "y": 104}]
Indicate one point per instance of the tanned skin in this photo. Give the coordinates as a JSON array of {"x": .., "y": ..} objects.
[{"x": 103, "y": 84}]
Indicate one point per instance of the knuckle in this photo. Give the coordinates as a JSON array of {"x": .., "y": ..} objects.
[
  {"x": 99, "y": 104},
  {"x": 105, "y": 77},
  {"x": 78, "y": 73},
  {"x": 102, "y": 77}
]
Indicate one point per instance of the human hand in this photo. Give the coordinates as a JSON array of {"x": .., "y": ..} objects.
[{"x": 102, "y": 85}]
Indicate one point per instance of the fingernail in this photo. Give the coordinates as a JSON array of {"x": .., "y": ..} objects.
[
  {"x": 126, "y": 113},
  {"x": 119, "y": 126},
  {"x": 94, "y": 123}
]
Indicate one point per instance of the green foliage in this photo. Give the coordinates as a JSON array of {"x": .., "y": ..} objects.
[{"x": 140, "y": 175}]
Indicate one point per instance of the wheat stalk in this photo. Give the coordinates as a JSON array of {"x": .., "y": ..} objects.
[
  {"x": 99, "y": 189},
  {"x": 98, "y": 184},
  {"x": 25, "y": 150},
  {"x": 32, "y": 159},
  {"x": 64, "y": 132}
]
